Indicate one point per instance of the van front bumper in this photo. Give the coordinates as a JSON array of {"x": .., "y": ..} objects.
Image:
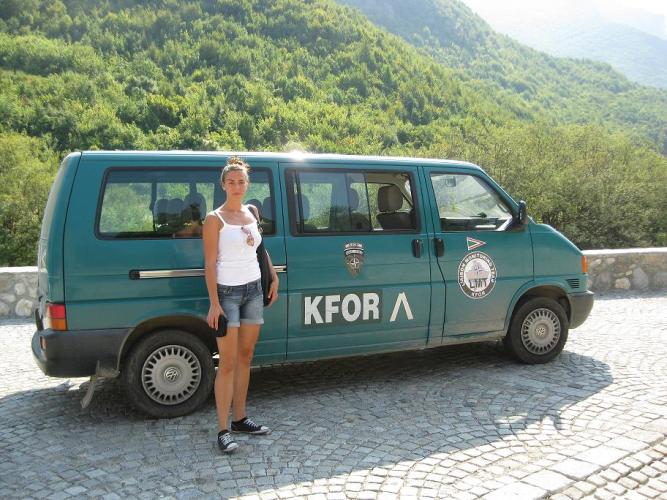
[
  {"x": 580, "y": 307},
  {"x": 76, "y": 353}
]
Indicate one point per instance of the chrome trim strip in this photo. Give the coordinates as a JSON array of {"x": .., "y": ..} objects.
[
  {"x": 184, "y": 273},
  {"x": 171, "y": 273}
]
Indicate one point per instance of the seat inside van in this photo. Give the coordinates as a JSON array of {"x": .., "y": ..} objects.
[
  {"x": 349, "y": 218},
  {"x": 390, "y": 201},
  {"x": 167, "y": 215},
  {"x": 304, "y": 202},
  {"x": 195, "y": 207},
  {"x": 181, "y": 217}
]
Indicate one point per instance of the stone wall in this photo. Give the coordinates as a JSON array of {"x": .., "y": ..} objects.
[
  {"x": 631, "y": 269},
  {"x": 628, "y": 269},
  {"x": 18, "y": 291}
]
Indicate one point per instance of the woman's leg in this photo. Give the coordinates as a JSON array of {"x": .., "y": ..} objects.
[
  {"x": 247, "y": 338},
  {"x": 224, "y": 379}
]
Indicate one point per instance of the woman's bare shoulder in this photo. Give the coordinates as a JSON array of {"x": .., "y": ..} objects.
[{"x": 212, "y": 218}]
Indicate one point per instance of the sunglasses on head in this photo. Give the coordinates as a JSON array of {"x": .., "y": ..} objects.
[{"x": 249, "y": 238}]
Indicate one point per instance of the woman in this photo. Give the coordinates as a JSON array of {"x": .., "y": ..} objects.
[{"x": 231, "y": 236}]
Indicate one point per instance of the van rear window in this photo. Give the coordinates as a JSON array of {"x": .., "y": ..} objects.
[{"x": 171, "y": 203}]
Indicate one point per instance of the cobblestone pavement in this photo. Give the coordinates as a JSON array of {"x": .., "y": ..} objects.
[{"x": 455, "y": 422}]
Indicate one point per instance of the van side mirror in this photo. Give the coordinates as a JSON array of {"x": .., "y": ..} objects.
[{"x": 522, "y": 214}]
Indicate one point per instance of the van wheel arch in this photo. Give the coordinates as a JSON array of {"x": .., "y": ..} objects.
[
  {"x": 550, "y": 292},
  {"x": 168, "y": 372},
  {"x": 539, "y": 327},
  {"x": 191, "y": 324}
]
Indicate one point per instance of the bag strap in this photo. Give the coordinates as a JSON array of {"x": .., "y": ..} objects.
[{"x": 255, "y": 214}]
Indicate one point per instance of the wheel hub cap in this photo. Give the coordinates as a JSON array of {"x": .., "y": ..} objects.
[
  {"x": 540, "y": 331},
  {"x": 171, "y": 374}
]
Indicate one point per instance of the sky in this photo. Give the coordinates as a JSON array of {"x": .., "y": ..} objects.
[
  {"x": 652, "y": 6},
  {"x": 622, "y": 11}
]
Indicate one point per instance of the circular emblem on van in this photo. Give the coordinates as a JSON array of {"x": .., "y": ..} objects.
[
  {"x": 354, "y": 257},
  {"x": 477, "y": 275}
]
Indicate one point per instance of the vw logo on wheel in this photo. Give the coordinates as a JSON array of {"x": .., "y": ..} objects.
[{"x": 171, "y": 374}]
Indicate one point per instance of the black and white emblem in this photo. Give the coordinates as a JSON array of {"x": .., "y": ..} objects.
[
  {"x": 354, "y": 257},
  {"x": 477, "y": 275}
]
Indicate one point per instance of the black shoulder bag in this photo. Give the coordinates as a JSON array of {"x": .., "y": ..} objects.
[{"x": 263, "y": 260}]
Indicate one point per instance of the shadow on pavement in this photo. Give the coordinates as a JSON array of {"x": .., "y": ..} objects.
[{"x": 329, "y": 417}]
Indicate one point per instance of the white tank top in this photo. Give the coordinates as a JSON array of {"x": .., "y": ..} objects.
[{"x": 237, "y": 261}]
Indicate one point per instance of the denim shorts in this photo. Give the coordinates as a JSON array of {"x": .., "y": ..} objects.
[{"x": 242, "y": 303}]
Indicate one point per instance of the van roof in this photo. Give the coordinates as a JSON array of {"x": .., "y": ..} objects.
[{"x": 294, "y": 156}]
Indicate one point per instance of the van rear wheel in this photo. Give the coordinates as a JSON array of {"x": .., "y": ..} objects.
[
  {"x": 168, "y": 374},
  {"x": 538, "y": 331}
]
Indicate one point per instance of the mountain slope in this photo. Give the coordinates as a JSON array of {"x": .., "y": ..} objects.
[
  {"x": 258, "y": 75},
  {"x": 580, "y": 30},
  {"x": 570, "y": 91},
  {"x": 151, "y": 70}
]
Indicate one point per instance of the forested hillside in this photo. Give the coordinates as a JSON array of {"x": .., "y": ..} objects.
[
  {"x": 260, "y": 75},
  {"x": 631, "y": 39},
  {"x": 567, "y": 90}
]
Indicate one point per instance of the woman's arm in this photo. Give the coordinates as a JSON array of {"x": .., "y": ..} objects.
[
  {"x": 273, "y": 289},
  {"x": 212, "y": 226}
]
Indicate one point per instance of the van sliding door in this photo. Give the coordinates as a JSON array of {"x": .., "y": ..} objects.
[{"x": 358, "y": 263}]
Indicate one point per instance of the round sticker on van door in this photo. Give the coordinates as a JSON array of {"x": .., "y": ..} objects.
[{"x": 477, "y": 275}]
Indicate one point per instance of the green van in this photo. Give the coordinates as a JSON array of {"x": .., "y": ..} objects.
[{"x": 375, "y": 254}]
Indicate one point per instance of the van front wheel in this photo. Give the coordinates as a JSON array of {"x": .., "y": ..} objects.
[
  {"x": 168, "y": 374},
  {"x": 538, "y": 331}
]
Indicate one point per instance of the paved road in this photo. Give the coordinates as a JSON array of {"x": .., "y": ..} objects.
[{"x": 456, "y": 422}]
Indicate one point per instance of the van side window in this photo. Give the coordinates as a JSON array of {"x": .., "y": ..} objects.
[
  {"x": 260, "y": 194},
  {"x": 171, "y": 203},
  {"x": 351, "y": 201},
  {"x": 467, "y": 203}
]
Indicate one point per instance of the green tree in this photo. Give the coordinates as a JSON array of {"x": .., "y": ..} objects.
[{"x": 27, "y": 169}]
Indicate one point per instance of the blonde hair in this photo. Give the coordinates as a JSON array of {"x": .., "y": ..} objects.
[{"x": 235, "y": 164}]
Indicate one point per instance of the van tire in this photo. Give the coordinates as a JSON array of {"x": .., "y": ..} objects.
[
  {"x": 538, "y": 331},
  {"x": 169, "y": 373}
]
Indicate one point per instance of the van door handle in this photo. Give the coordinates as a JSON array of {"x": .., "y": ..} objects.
[
  {"x": 417, "y": 248},
  {"x": 439, "y": 247}
]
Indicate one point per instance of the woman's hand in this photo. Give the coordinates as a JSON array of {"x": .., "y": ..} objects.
[
  {"x": 273, "y": 290},
  {"x": 214, "y": 313}
]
